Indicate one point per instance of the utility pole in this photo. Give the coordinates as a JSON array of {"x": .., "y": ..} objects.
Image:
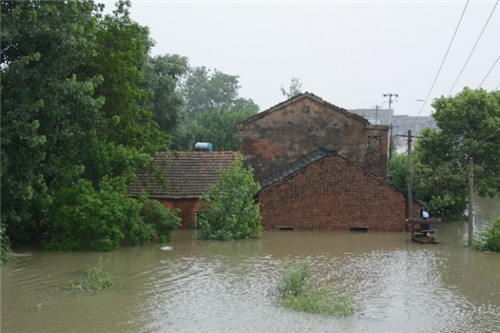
[
  {"x": 390, "y": 95},
  {"x": 470, "y": 219},
  {"x": 409, "y": 197}
]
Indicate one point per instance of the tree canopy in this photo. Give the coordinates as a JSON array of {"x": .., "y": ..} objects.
[
  {"x": 213, "y": 108},
  {"x": 232, "y": 211},
  {"x": 469, "y": 126},
  {"x": 75, "y": 112}
]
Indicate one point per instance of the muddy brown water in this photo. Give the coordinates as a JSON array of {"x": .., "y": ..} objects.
[{"x": 397, "y": 285}]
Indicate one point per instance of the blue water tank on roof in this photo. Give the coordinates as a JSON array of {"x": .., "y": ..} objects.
[{"x": 203, "y": 146}]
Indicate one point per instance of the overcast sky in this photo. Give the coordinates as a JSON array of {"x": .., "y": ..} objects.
[{"x": 349, "y": 53}]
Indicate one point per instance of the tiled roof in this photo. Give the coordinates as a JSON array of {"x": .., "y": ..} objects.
[{"x": 189, "y": 175}]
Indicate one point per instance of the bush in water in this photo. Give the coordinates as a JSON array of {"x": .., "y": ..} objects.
[
  {"x": 92, "y": 281},
  {"x": 102, "y": 219},
  {"x": 299, "y": 293},
  {"x": 489, "y": 239}
]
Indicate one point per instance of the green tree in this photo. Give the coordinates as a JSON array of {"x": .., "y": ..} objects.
[
  {"x": 121, "y": 57},
  {"x": 103, "y": 219},
  {"x": 74, "y": 111},
  {"x": 48, "y": 112},
  {"x": 294, "y": 90},
  {"x": 219, "y": 127},
  {"x": 469, "y": 126},
  {"x": 398, "y": 168},
  {"x": 213, "y": 109},
  {"x": 203, "y": 90},
  {"x": 163, "y": 74},
  {"x": 232, "y": 211}
]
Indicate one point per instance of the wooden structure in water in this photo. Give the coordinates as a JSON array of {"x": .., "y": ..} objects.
[{"x": 422, "y": 229}]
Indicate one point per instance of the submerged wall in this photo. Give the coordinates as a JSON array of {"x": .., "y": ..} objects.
[{"x": 334, "y": 194}]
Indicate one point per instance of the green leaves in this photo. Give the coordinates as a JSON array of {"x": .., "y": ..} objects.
[
  {"x": 102, "y": 219},
  {"x": 76, "y": 124},
  {"x": 299, "y": 292},
  {"x": 489, "y": 239},
  {"x": 232, "y": 212},
  {"x": 213, "y": 109},
  {"x": 469, "y": 126}
]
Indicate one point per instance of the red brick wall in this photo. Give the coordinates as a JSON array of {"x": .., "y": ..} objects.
[
  {"x": 188, "y": 209},
  {"x": 333, "y": 194},
  {"x": 273, "y": 139}
]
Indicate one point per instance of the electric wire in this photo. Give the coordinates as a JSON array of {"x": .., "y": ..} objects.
[
  {"x": 489, "y": 71},
  {"x": 442, "y": 62},
  {"x": 474, "y": 48}
]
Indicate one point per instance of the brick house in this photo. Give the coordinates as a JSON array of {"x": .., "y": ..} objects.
[
  {"x": 189, "y": 175},
  {"x": 324, "y": 190},
  {"x": 283, "y": 134}
]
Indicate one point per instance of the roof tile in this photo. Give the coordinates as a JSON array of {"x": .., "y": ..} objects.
[{"x": 189, "y": 175}]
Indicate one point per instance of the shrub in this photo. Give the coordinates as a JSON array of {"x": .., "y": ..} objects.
[
  {"x": 162, "y": 219},
  {"x": 295, "y": 280},
  {"x": 7, "y": 256},
  {"x": 299, "y": 293},
  {"x": 102, "y": 219},
  {"x": 489, "y": 239},
  {"x": 232, "y": 212},
  {"x": 92, "y": 281}
]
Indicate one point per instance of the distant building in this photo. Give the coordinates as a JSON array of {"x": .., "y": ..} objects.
[
  {"x": 375, "y": 116},
  {"x": 400, "y": 123}
]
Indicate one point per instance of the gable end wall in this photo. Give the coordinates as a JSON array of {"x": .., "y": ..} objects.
[{"x": 333, "y": 194}]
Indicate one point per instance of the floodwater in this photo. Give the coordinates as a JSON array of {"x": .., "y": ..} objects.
[{"x": 201, "y": 286}]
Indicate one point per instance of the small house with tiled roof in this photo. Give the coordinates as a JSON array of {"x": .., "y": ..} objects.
[
  {"x": 326, "y": 191},
  {"x": 189, "y": 175},
  {"x": 285, "y": 133}
]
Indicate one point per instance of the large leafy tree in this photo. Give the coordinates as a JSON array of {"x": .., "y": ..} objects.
[
  {"x": 163, "y": 74},
  {"x": 204, "y": 90},
  {"x": 74, "y": 112},
  {"x": 48, "y": 112},
  {"x": 213, "y": 108},
  {"x": 469, "y": 126},
  {"x": 219, "y": 126}
]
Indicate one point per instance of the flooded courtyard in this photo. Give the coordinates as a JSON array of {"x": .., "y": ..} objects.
[{"x": 210, "y": 286}]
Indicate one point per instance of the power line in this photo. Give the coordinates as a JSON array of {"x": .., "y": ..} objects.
[
  {"x": 474, "y": 47},
  {"x": 444, "y": 59},
  {"x": 489, "y": 71}
]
